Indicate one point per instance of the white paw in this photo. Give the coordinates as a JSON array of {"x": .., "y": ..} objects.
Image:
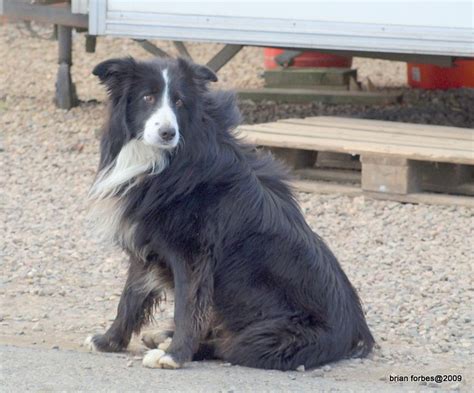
[
  {"x": 89, "y": 344},
  {"x": 157, "y": 358},
  {"x": 165, "y": 344},
  {"x": 168, "y": 362},
  {"x": 152, "y": 358}
]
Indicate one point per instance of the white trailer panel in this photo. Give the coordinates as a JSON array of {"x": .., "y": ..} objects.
[{"x": 443, "y": 28}]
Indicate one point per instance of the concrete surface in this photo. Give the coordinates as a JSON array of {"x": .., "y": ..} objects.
[{"x": 49, "y": 370}]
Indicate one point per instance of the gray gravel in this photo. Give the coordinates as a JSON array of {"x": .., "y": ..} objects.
[
  {"x": 411, "y": 263},
  {"x": 444, "y": 108}
]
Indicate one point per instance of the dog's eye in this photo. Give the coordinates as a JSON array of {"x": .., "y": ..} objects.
[
  {"x": 149, "y": 99},
  {"x": 179, "y": 103}
]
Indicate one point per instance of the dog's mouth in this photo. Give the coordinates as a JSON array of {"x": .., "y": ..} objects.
[
  {"x": 164, "y": 145},
  {"x": 161, "y": 142}
]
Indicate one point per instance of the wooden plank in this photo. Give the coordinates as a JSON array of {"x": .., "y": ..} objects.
[
  {"x": 357, "y": 147},
  {"x": 325, "y": 187},
  {"x": 460, "y": 136},
  {"x": 387, "y": 126},
  {"x": 391, "y": 175},
  {"x": 312, "y": 95},
  {"x": 312, "y": 89},
  {"x": 357, "y": 135},
  {"x": 426, "y": 198},
  {"x": 449, "y": 183},
  {"x": 309, "y": 77},
  {"x": 341, "y": 175}
]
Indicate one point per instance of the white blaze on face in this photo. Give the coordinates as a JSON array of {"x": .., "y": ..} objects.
[{"x": 164, "y": 117}]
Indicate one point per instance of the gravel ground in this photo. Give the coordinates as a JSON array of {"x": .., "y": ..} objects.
[
  {"x": 444, "y": 108},
  {"x": 410, "y": 263}
]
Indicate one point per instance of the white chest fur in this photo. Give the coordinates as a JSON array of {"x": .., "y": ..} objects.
[{"x": 112, "y": 185}]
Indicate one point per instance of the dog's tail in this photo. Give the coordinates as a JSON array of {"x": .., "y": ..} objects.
[
  {"x": 324, "y": 351},
  {"x": 364, "y": 345}
]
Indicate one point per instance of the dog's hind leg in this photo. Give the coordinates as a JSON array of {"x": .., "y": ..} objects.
[
  {"x": 277, "y": 343},
  {"x": 162, "y": 340},
  {"x": 154, "y": 339},
  {"x": 142, "y": 288}
]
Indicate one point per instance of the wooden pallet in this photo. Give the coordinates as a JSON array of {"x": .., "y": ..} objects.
[{"x": 398, "y": 159}]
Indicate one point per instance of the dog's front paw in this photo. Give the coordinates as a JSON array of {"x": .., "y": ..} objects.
[
  {"x": 101, "y": 343},
  {"x": 157, "y": 358},
  {"x": 89, "y": 344}
]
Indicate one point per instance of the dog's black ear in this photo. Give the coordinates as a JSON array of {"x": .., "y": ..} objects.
[
  {"x": 113, "y": 71},
  {"x": 198, "y": 72},
  {"x": 204, "y": 73}
]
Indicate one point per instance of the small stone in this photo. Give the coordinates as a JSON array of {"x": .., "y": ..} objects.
[
  {"x": 130, "y": 363},
  {"x": 55, "y": 346},
  {"x": 301, "y": 368},
  {"x": 137, "y": 357},
  {"x": 226, "y": 364},
  {"x": 327, "y": 368},
  {"x": 37, "y": 327},
  {"x": 317, "y": 374},
  {"x": 292, "y": 377}
]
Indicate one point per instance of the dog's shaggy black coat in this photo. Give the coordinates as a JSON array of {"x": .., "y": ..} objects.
[{"x": 254, "y": 285}]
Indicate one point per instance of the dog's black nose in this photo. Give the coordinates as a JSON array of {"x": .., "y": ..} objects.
[{"x": 167, "y": 133}]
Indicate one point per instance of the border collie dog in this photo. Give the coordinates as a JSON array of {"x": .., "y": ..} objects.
[{"x": 205, "y": 215}]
